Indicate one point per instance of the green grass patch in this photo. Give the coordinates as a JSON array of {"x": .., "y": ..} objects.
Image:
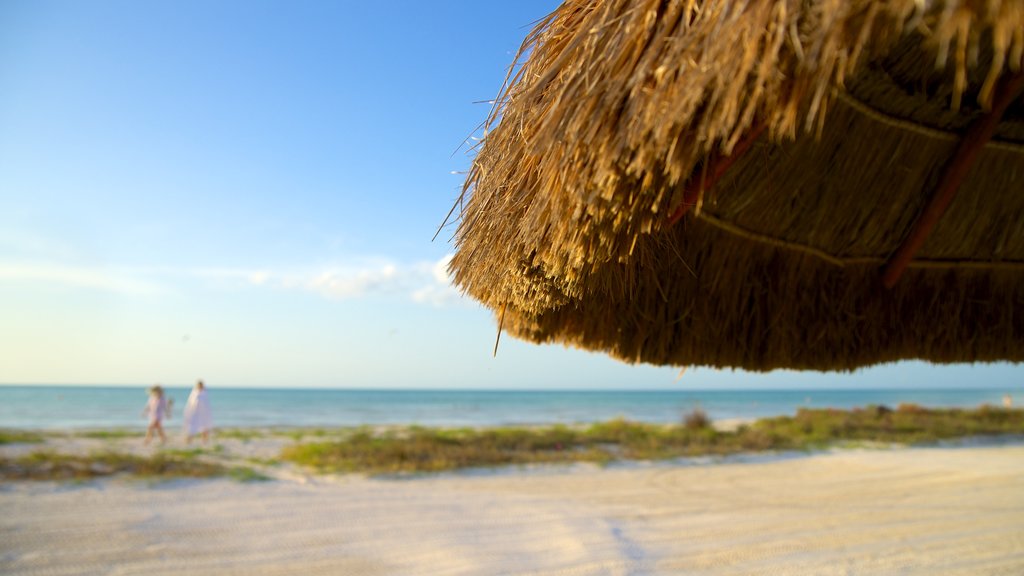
[
  {"x": 46, "y": 465},
  {"x": 418, "y": 449},
  {"x": 190, "y": 453},
  {"x": 263, "y": 461},
  {"x": 908, "y": 424},
  {"x": 431, "y": 450},
  {"x": 299, "y": 434},
  {"x": 245, "y": 474},
  {"x": 166, "y": 464},
  {"x": 114, "y": 434},
  {"x": 20, "y": 437},
  {"x": 243, "y": 434}
]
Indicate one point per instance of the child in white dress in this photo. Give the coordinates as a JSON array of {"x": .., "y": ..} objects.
[
  {"x": 198, "y": 419},
  {"x": 157, "y": 408}
]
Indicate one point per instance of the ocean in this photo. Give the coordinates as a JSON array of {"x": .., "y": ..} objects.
[{"x": 89, "y": 407}]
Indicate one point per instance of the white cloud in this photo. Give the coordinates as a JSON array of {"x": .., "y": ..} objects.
[
  {"x": 439, "y": 290},
  {"x": 440, "y": 270},
  {"x": 438, "y": 296},
  {"x": 424, "y": 282},
  {"x": 356, "y": 282},
  {"x": 259, "y": 277}
]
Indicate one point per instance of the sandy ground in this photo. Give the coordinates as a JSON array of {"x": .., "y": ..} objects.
[{"x": 907, "y": 511}]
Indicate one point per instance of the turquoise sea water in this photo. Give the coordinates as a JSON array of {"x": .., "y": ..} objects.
[{"x": 78, "y": 407}]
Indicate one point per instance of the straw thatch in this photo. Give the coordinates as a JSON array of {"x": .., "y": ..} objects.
[{"x": 838, "y": 117}]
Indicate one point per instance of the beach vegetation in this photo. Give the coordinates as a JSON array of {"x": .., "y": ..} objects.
[
  {"x": 907, "y": 424},
  {"x": 696, "y": 419},
  {"x": 20, "y": 437},
  {"x": 299, "y": 434},
  {"x": 112, "y": 434},
  {"x": 46, "y": 465},
  {"x": 419, "y": 449},
  {"x": 164, "y": 465},
  {"x": 264, "y": 461},
  {"x": 415, "y": 449},
  {"x": 188, "y": 453},
  {"x": 246, "y": 474},
  {"x": 296, "y": 435},
  {"x": 430, "y": 450},
  {"x": 243, "y": 434}
]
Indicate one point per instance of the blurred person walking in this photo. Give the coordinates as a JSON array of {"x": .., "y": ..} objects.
[
  {"x": 157, "y": 408},
  {"x": 198, "y": 419}
]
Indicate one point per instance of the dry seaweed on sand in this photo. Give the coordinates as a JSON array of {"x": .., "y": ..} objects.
[
  {"x": 431, "y": 450},
  {"x": 49, "y": 465}
]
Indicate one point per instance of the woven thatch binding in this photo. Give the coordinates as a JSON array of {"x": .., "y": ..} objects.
[{"x": 622, "y": 104}]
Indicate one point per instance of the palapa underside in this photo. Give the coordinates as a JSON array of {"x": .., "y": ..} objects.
[{"x": 626, "y": 110}]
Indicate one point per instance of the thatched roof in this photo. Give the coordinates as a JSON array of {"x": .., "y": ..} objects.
[{"x": 727, "y": 183}]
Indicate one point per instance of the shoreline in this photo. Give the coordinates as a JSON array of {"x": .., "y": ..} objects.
[
  {"x": 175, "y": 429},
  {"x": 71, "y": 408}
]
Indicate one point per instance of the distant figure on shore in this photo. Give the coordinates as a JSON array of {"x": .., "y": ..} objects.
[
  {"x": 198, "y": 419},
  {"x": 157, "y": 408},
  {"x": 1007, "y": 401}
]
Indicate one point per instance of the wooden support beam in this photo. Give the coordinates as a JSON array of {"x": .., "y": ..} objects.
[
  {"x": 716, "y": 167},
  {"x": 979, "y": 133}
]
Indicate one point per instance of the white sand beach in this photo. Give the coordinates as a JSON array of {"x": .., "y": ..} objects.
[{"x": 901, "y": 511}]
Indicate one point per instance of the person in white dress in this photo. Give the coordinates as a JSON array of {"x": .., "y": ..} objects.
[{"x": 198, "y": 419}]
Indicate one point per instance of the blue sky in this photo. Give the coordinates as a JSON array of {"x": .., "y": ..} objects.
[{"x": 246, "y": 191}]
